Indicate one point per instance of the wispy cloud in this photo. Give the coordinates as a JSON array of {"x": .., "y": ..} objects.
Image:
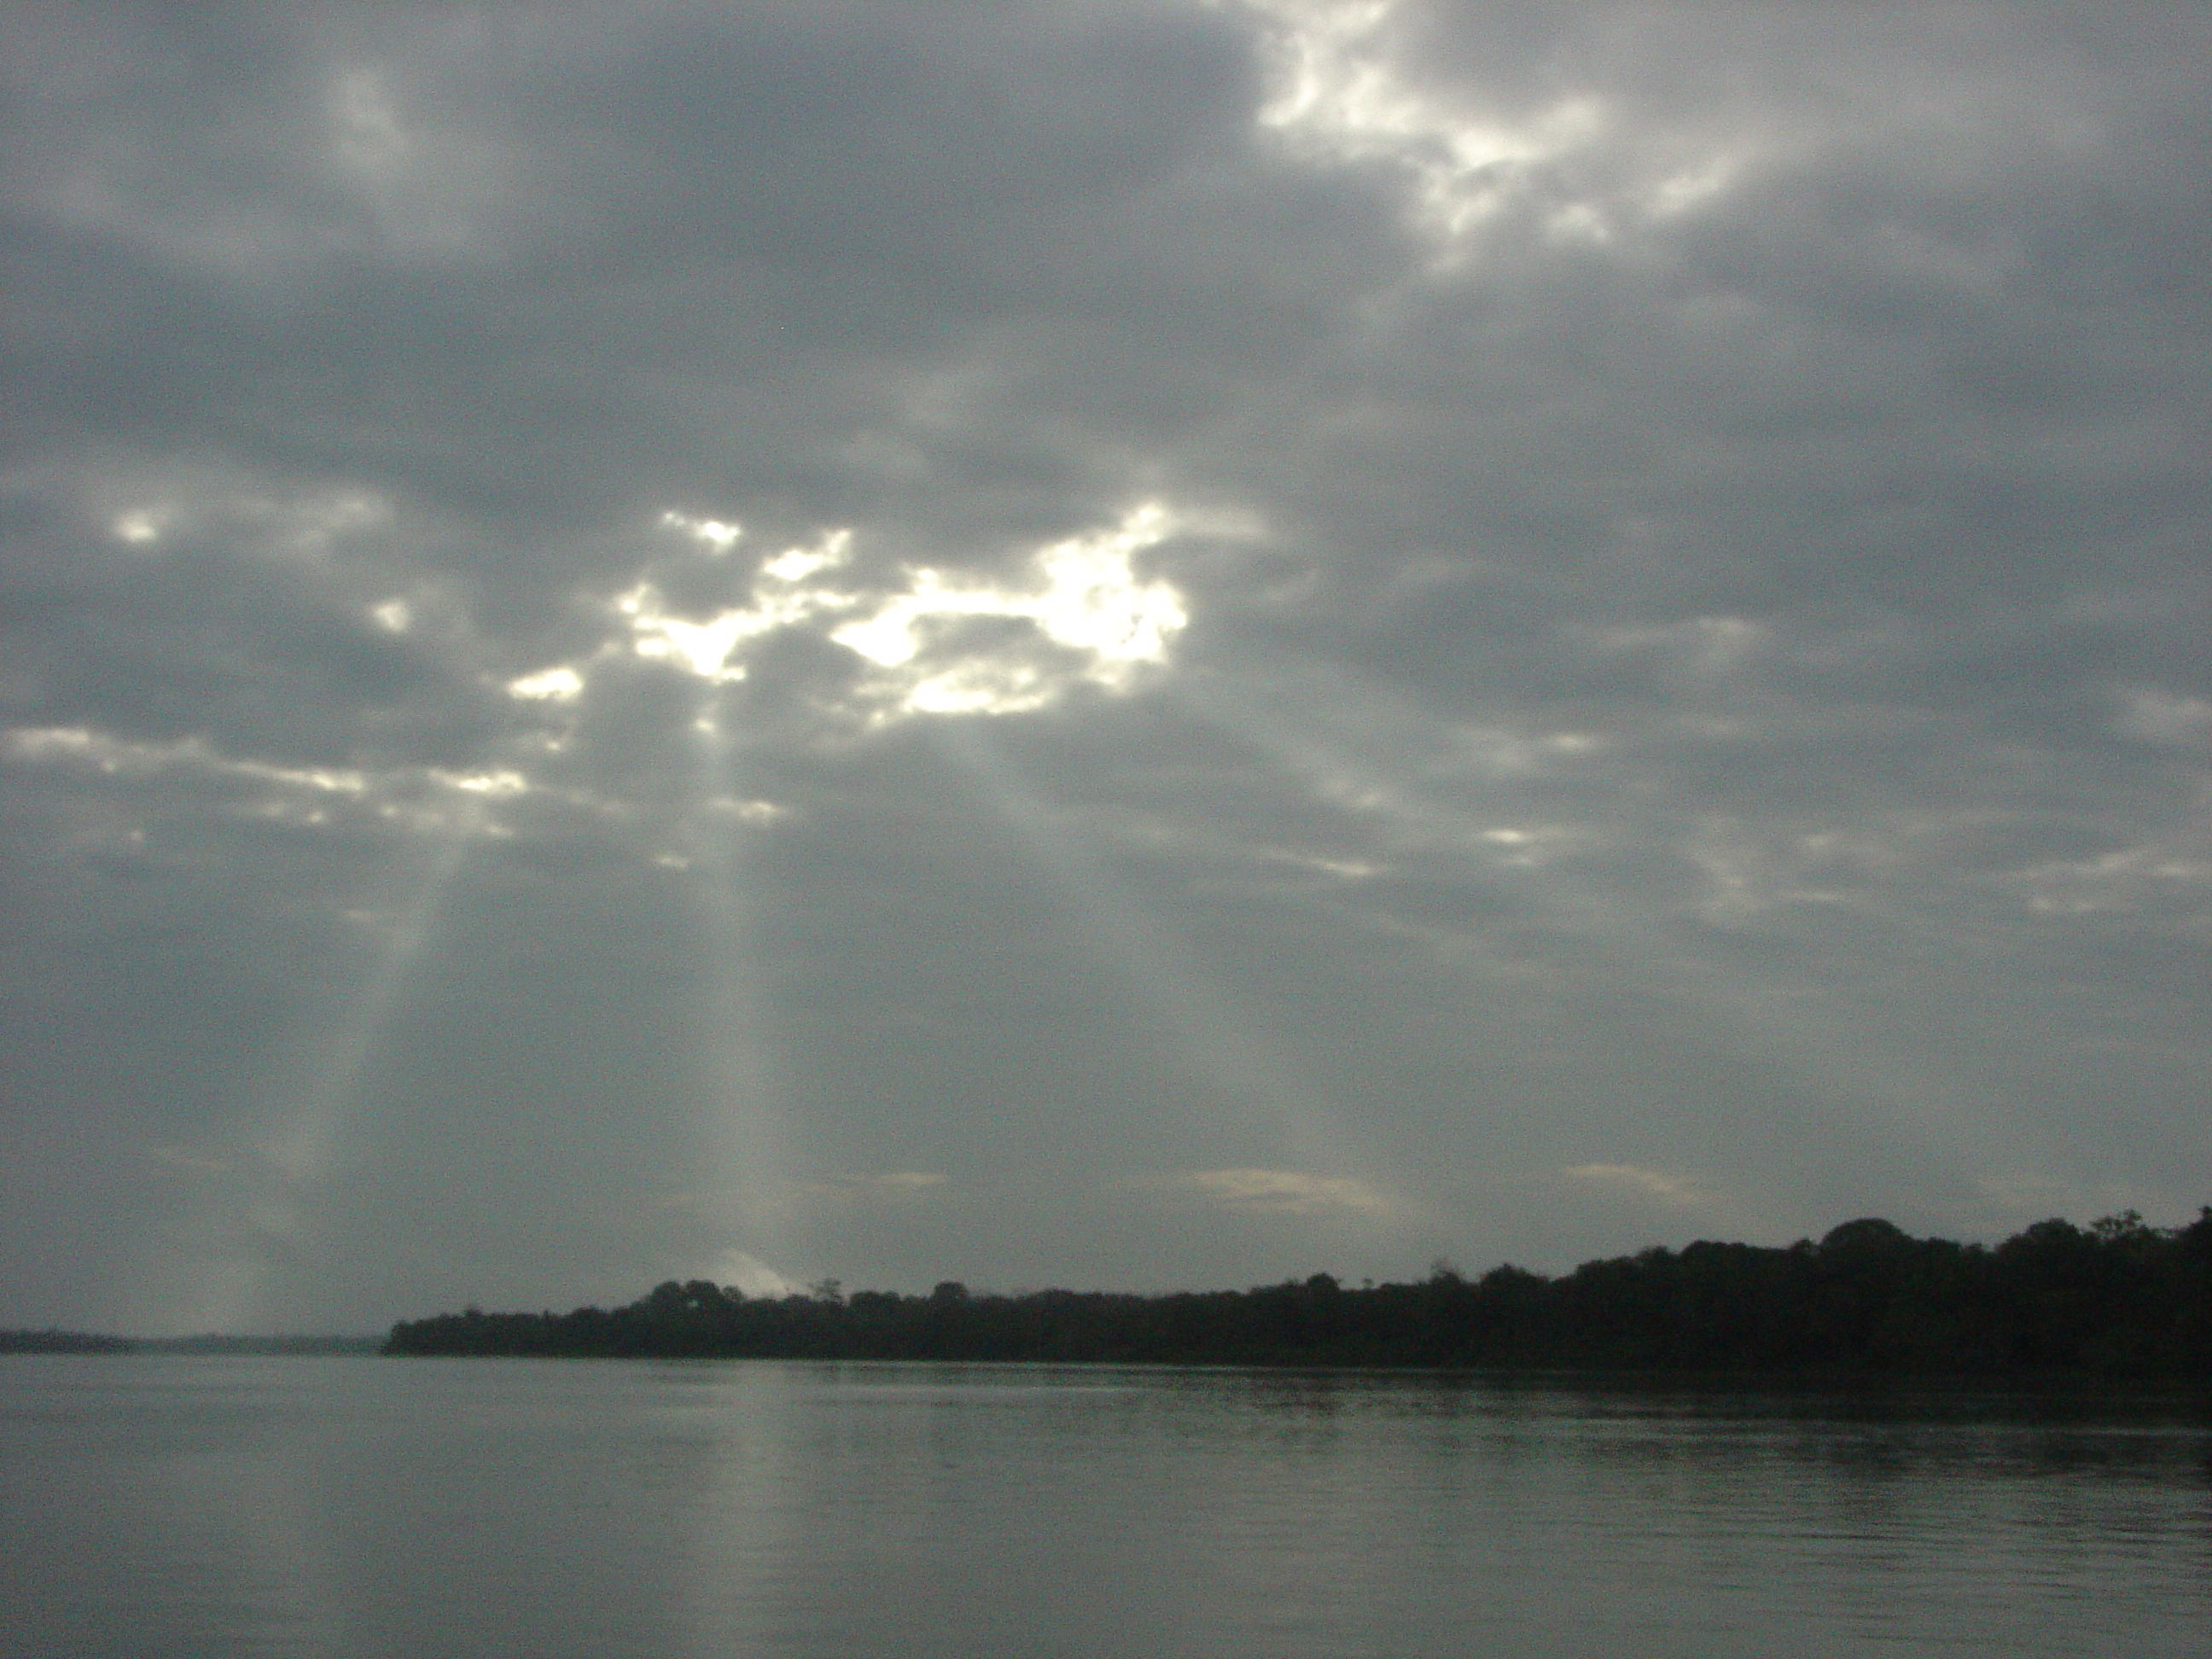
[
  {"x": 1291, "y": 1191},
  {"x": 1658, "y": 1186},
  {"x": 887, "y": 1186}
]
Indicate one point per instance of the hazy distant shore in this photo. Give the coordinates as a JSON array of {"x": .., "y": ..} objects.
[
  {"x": 2119, "y": 1298},
  {"x": 65, "y": 1341}
]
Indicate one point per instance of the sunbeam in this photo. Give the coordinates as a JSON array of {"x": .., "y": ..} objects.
[
  {"x": 1814, "y": 1042},
  {"x": 1107, "y": 645},
  {"x": 743, "y": 1155},
  {"x": 260, "y": 1227},
  {"x": 1219, "y": 1041}
]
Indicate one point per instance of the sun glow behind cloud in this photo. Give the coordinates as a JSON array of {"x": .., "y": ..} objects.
[
  {"x": 1082, "y": 594},
  {"x": 1077, "y": 612},
  {"x": 1346, "y": 96},
  {"x": 1340, "y": 98}
]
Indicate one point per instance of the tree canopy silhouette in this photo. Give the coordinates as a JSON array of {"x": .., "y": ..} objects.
[{"x": 2118, "y": 1298}]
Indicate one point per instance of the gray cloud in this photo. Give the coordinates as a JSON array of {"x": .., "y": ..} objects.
[{"x": 1039, "y": 643}]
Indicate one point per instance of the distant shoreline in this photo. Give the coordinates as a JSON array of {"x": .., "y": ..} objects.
[
  {"x": 53, "y": 1340},
  {"x": 2117, "y": 1299}
]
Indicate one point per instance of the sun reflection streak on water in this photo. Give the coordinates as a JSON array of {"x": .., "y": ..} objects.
[{"x": 747, "y": 1514}]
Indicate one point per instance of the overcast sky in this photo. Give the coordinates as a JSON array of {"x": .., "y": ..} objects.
[{"x": 1089, "y": 642}]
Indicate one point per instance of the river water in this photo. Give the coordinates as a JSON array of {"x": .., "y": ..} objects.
[{"x": 184, "y": 1506}]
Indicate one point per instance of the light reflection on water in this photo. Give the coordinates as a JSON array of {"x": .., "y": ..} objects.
[{"x": 185, "y": 1506}]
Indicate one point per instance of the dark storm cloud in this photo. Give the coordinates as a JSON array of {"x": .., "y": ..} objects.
[{"x": 1137, "y": 643}]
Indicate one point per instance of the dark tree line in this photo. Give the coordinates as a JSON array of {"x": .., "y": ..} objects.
[
  {"x": 60, "y": 1342},
  {"x": 2118, "y": 1298}
]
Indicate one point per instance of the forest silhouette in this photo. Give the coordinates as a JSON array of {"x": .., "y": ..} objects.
[{"x": 2118, "y": 1298}]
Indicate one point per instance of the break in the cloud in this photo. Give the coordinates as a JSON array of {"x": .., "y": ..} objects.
[
  {"x": 933, "y": 645},
  {"x": 1163, "y": 644}
]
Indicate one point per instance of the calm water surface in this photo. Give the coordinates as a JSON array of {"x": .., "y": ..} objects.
[{"x": 218, "y": 1506}]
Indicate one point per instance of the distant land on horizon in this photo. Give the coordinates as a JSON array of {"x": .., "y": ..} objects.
[
  {"x": 2118, "y": 1298},
  {"x": 54, "y": 1339}
]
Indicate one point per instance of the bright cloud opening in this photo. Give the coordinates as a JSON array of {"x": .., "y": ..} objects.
[
  {"x": 944, "y": 642},
  {"x": 561, "y": 684},
  {"x": 1083, "y": 594}
]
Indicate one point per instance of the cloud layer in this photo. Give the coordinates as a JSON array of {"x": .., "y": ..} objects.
[{"x": 1158, "y": 644}]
